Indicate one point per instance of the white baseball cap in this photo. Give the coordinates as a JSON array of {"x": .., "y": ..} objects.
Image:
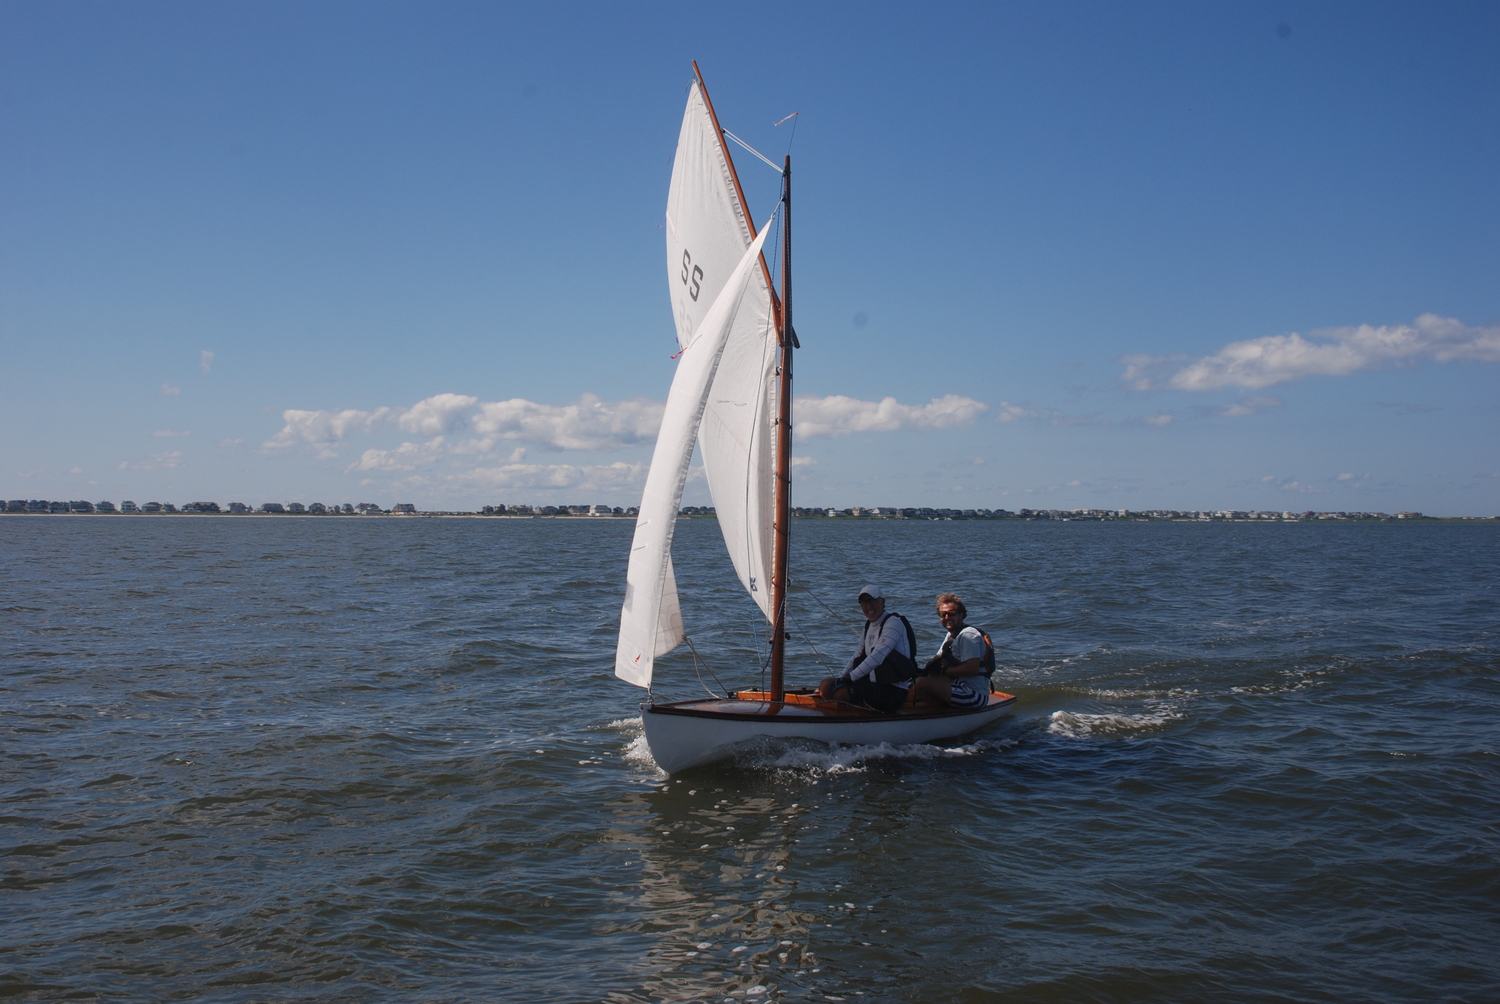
[{"x": 873, "y": 592}]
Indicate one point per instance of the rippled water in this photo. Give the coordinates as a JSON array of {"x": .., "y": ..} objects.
[{"x": 253, "y": 759}]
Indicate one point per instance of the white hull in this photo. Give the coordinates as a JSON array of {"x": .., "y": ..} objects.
[{"x": 693, "y": 733}]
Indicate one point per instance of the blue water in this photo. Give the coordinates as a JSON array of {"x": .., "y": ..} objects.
[{"x": 299, "y": 759}]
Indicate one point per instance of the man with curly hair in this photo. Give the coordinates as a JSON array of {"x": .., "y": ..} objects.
[{"x": 958, "y": 676}]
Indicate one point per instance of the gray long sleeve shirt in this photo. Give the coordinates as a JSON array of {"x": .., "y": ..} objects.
[{"x": 880, "y": 638}]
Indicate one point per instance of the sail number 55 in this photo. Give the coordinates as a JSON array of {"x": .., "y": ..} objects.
[{"x": 692, "y": 275}]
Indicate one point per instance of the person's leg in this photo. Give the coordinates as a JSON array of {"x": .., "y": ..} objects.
[
  {"x": 883, "y": 697},
  {"x": 965, "y": 692},
  {"x": 930, "y": 689},
  {"x": 830, "y": 690}
]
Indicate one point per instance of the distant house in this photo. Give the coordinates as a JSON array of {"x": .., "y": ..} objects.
[
  {"x": 105, "y": 507},
  {"x": 128, "y": 506},
  {"x": 238, "y": 508},
  {"x": 81, "y": 506},
  {"x": 272, "y": 507},
  {"x": 297, "y": 507},
  {"x": 318, "y": 509},
  {"x": 151, "y": 507},
  {"x": 404, "y": 509},
  {"x": 168, "y": 507}
]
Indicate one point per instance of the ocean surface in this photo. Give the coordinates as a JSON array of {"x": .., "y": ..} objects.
[{"x": 299, "y": 759}]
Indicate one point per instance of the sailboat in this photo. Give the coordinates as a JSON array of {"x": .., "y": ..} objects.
[{"x": 732, "y": 395}]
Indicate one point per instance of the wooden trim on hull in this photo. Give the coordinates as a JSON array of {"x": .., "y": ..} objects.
[{"x": 692, "y": 733}]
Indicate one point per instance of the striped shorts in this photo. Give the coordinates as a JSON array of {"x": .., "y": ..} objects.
[{"x": 970, "y": 692}]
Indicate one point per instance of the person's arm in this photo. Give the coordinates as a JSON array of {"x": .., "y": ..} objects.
[
  {"x": 892, "y": 637},
  {"x": 968, "y": 643},
  {"x": 856, "y": 659},
  {"x": 969, "y": 667}
]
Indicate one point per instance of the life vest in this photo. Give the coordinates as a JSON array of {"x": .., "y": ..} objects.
[
  {"x": 897, "y": 668},
  {"x": 986, "y": 662}
]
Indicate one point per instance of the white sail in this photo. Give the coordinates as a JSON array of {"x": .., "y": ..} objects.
[
  {"x": 708, "y": 230},
  {"x": 650, "y": 620}
]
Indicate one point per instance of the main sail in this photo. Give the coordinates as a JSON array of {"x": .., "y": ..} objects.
[
  {"x": 650, "y": 620},
  {"x": 708, "y": 230}
]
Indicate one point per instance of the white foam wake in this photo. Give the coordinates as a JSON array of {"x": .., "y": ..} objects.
[
  {"x": 819, "y": 759},
  {"x": 1076, "y": 725}
]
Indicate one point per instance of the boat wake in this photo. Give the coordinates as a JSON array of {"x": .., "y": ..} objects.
[
  {"x": 1076, "y": 725},
  {"x": 636, "y": 752},
  {"x": 817, "y": 758}
]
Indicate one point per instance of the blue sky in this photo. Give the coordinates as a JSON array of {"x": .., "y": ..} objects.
[{"x": 1152, "y": 255}]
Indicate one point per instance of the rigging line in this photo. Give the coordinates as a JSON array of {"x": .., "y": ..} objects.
[
  {"x": 852, "y": 629},
  {"x": 802, "y": 631},
  {"x": 768, "y": 162},
  {"x": 697, "y": 661},
  {"x": 793, "y": 136},
  {"x": 760, "y": 391}
]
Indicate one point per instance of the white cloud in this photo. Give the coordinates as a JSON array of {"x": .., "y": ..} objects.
[
  {"x": 155, "y": 462},
  {"x": 802, "y": 462},
  {"x": 1017, "y": 412},
  {"x": 586, "y": 424},
  {"x": 167, "y": 390},
  {"x": 1274, "y": 359},
  {"x": 406, "y": 457},
  {"x": 205, "y": 360},
  {"x": 322, "y": 430},
  {"x": 169, "y": 433},
  {"x": 839, "y": 415},
  {"x": 229, "y": 443},
  {"x": 438, "y": 415}
]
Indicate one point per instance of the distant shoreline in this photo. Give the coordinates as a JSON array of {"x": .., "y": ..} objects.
[{"x": 578, "y": 517}]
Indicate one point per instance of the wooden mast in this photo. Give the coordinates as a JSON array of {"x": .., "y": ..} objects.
[
  {"x": 781, "y": 310},
  {"x": 782, "y": 522}
]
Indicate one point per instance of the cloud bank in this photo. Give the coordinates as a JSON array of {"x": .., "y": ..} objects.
[
  {"x": 840, "y": 416},
  {"x": 459, "y": 442},
  {"x": 586, "y": 424},
  {"x": 1275, "y": 359},
  {"x": 460, "y": 424}
]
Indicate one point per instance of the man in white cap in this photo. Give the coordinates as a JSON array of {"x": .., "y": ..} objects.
[{"x": 882, "y": 668}]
